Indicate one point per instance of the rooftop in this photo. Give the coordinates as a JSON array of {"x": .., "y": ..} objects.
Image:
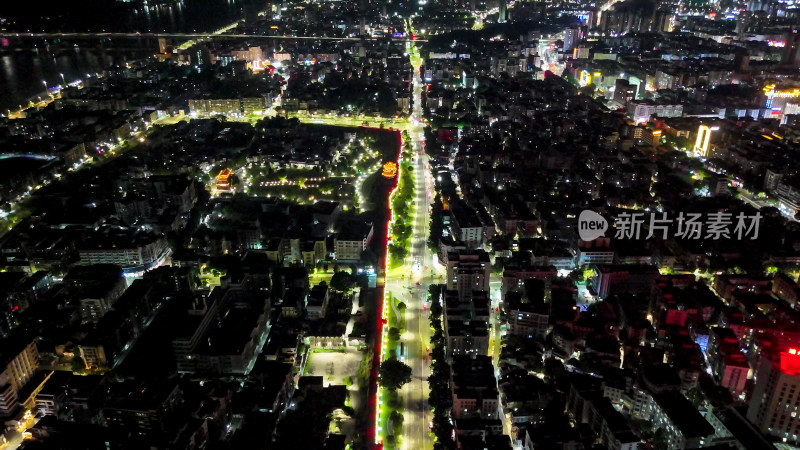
[{"x": 683, "y": 415}]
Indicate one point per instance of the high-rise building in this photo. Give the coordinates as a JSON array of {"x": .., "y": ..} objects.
[
  {"x": 528, "y": 313},
  {"x": 20, "y": 361},
  {"x": 581, "y": 52},
  {"x": 791, "y": 52},
  {"x": 774, "y": 405},
  {"x": 572, "y": 36},
  {"x": 624, "y": 92},
  {"x": 164, "y": 45},
  {"x": 727, "y": 360},
  {"x": 788, "y": 193},
  {"x": 503, "y": 13},
  {"x": 467, "y": 271},
  {"x": 664, "y": 21},
  {"x": 206, "y": 343},
  {"x": 635, "y": 17},
  {"x": 772, "y": 178},
  {"x": 703, "y": 139},
  {"x": 466, "y": 323}
]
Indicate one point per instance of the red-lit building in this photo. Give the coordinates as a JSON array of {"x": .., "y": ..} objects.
[{"x": 776, "y": 398}]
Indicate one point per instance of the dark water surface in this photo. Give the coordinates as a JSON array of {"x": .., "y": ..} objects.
[{"x": 27, "y": 64}]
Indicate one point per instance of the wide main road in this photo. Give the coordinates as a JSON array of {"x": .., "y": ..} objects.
[{"x": 402, "y": 284}]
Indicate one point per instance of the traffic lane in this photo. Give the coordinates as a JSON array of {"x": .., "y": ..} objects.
[
  {"x": 414, "y": 392},
  {"x": 418, "y": 398},
  {"x": 416, "y": 321}
]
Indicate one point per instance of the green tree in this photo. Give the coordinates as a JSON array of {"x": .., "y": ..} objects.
[
  {"x": 695, "y": 396},
  {"x": 589, "y": 90},
  {"x": 396, "y": 420},
  {"x": 660, "y": 439},
  {"x": 394, "y": 334},
  {"x": 437, "y": 337},
  {"x": 443, "y": 430},
  {"x": 397, "y": 253},
  {"x": 394, "y": 374},
  {"x": 434, "y": 291},
  {"x": 436, "y": 224},
  {"x": 440, "y": 396},
  {"x": 342, "y": 281},
  {"x": 78, "y": 365},
  {"x": 234, "y": 180},
  {"x": 571, "y": 79}
]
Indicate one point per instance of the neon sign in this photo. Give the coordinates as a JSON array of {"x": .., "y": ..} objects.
[
  {"x": 389, "y": 169},
  {"x": 771, "y": 93},
  {"x": 586, "y": 78}
]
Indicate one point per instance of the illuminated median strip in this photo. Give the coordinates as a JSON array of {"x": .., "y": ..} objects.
[{"x": 385, "y": 307}]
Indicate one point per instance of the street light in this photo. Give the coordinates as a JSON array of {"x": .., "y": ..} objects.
[{"x": 63, "y": 81}]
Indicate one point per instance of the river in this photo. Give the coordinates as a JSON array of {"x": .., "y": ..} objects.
[{"x": 27, "y": 64}]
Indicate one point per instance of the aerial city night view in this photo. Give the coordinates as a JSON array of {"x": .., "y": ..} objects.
[{"x": 399, "y": 224}]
